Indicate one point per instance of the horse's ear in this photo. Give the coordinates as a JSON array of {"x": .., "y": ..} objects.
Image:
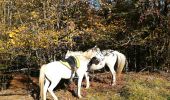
[{"x": 95, "y": 46}]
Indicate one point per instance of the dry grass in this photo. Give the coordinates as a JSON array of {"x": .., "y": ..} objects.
[
  {"x": 134, "y": 86},
  {"x": 146, "y": 87}
]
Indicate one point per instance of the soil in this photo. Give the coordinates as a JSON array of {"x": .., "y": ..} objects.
[
  {"x": 21, "y": 88},
  {"x": 17, "y": 90}
]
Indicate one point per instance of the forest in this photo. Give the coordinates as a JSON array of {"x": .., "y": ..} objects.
[
  {"x": 36, "y": 32},
  {"x": 42, "y": 31}
]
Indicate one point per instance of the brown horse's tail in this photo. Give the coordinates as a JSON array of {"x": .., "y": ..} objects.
[
  {"x": 41, "y": 81},
  {"x": 121, "y": 61}
]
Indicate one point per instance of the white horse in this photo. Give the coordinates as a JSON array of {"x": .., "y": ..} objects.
[
  {"x": 110, "y": 59},
  {"x": 53, "y": 72},
  {"x": 99, "y": 57}
]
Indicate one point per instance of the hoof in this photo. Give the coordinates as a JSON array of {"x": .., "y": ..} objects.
[
  {"x": 80, "y": 96},
  {"x": 87, "y": 87},
  {"x": 113, "y": 84}
]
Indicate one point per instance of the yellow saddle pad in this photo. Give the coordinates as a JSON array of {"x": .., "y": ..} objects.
[{"x": 68, "y": 65}]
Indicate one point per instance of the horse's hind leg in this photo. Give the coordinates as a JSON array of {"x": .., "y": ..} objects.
[
  {"x": 113, "y": 75},
  {"x": 47, "y": 83},
  {"x": 52, "y": 86}
]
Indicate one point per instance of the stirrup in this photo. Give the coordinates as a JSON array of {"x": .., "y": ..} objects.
[
  {"x": 76, "y": 76},
  {"x": 70, "y": 80}
]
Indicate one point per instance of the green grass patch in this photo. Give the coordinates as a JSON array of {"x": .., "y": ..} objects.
[
  {"x": 145, "y": 87},
  {"x": 136, "y": 86},
  {"x": 2, "y": 66}
]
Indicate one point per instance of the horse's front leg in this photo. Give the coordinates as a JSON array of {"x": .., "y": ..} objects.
[
  {"x": 87, "y": 80},
  {"x": 79, "y": 85}
]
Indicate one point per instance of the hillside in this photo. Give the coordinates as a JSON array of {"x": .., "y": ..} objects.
[{"x": 132, "y": 86}]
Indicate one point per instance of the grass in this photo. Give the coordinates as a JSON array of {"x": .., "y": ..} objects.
[
  {"x": 146, "y": 87},
  {"x": 137, "y": 86},
  {"x": 2, "y": 66}
]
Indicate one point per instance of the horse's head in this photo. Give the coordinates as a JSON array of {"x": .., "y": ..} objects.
[
  {"x": 95, "y": 61},
  {"x": 94, "y": 52},
  {"x": 90, "y": 53},
  {"x": 72, "y": 53}
]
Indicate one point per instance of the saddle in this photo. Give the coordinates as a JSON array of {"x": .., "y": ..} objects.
[{"x": 72, "y": 63}]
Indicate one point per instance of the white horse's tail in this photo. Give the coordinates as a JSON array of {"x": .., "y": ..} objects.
[
  {"x": 121, "y": 61},
  {"x": 41, "y": 80}
]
